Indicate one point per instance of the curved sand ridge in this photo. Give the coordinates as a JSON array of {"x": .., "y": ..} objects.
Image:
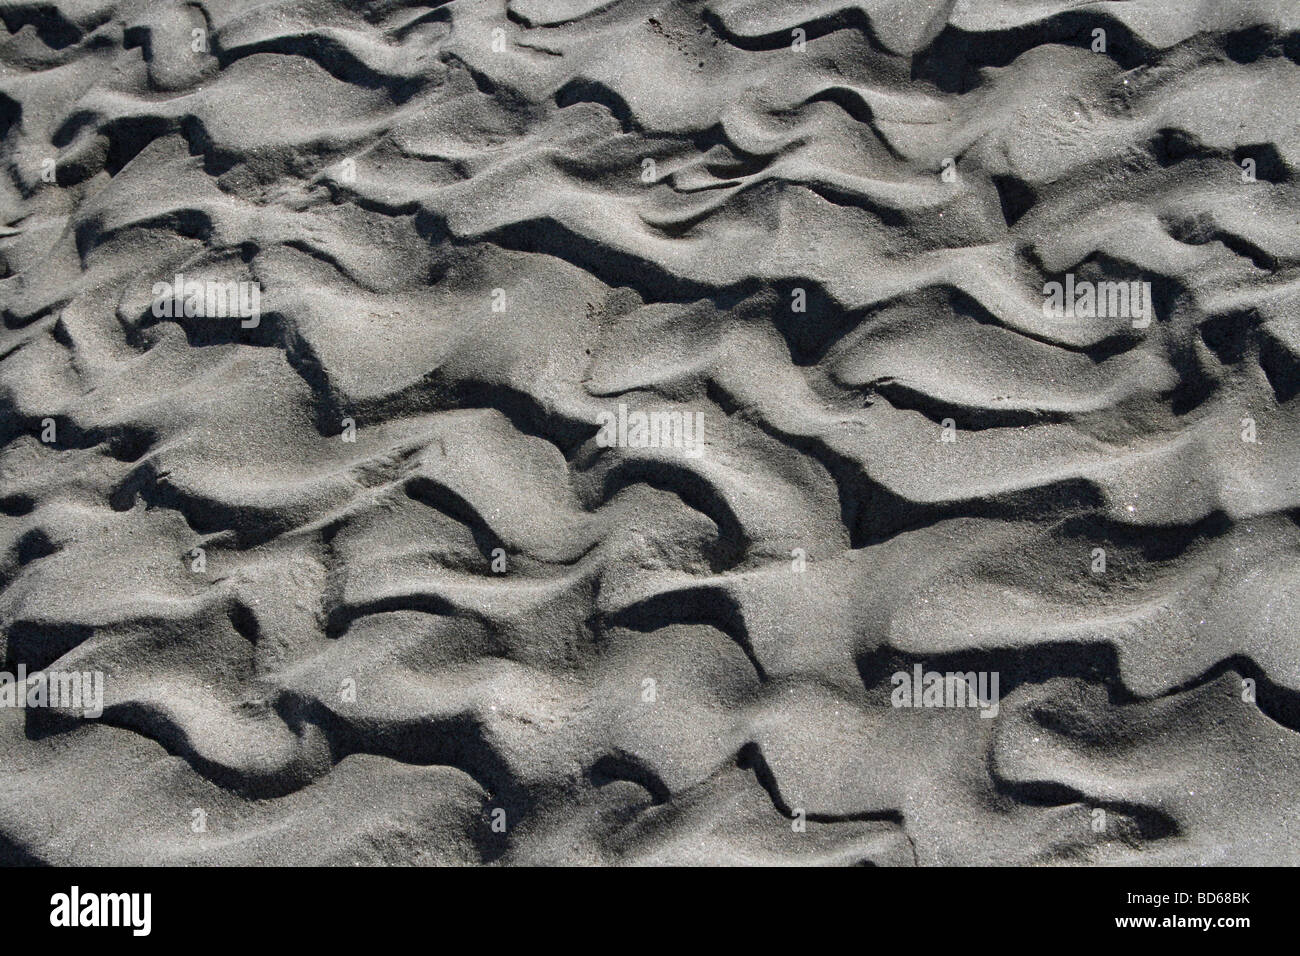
[{"x": 478, "y": 229}]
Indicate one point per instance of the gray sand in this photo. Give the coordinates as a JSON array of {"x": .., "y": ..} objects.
[{"x": 590, "y": 431}]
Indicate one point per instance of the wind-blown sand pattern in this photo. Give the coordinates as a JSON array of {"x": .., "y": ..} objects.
[{"x": 434, "y": 617}]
